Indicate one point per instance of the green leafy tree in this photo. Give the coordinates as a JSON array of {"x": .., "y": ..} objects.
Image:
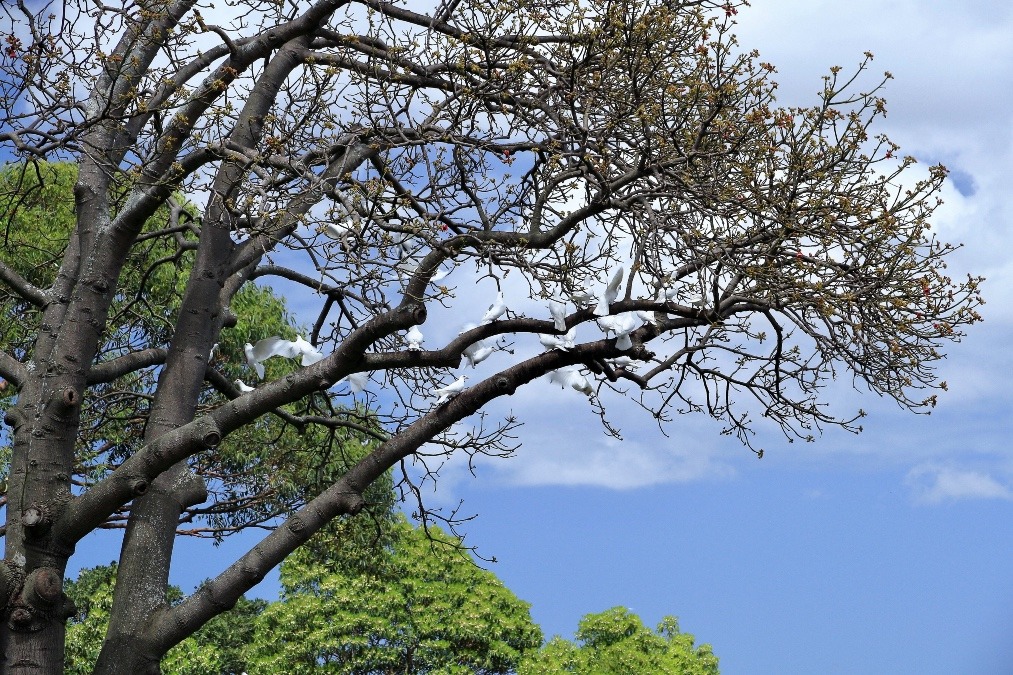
[
  {"x": 424, "y": 607},
  {"x": 406, "y": 601},
  {"x": 264, "y": 469},
  {"x": 219, "y": 647},
  {"x": 616, "y": 642}
]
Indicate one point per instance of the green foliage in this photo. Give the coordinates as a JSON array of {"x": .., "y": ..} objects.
[
  {"x": 367, "y": 598},
  {"x": 259, "y": 472},
  {"x": 616, "y": 642},
  {"x": 424, "y": 607},
  {"x": 221, "y": 646}
]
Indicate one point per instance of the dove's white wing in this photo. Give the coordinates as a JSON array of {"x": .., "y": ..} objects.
[
  {"x": 477, "y": 352},
  {"x": 571, "y": 377},
  {"x": 356, "y": 381},
  {"x": 610, "y": 293}
]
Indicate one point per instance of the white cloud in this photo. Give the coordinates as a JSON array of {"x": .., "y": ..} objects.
[
  {"x": 593, "y": 459},
  {"x": 935, "y": 483}
]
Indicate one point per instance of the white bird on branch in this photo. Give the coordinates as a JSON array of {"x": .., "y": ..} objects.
[
  {"x": 451, "y": 390},
  {"x": 277, "y": 346},
  {"x": 610, "y": 293},
  {"x": 496, "y": 309},
  {"x": 243, "y": 387},
  {"x": 581, "y": 298},
  {"x": 647, "y": 317},
  {"x": 414, "y": 338},
  {"x": 622, "y": 325},
  {"x": 557, "y": 308},
  {"x": 340, "y": 230},
  {"x": 570, "y": 377},
  {"x": 563, "y": 342}
]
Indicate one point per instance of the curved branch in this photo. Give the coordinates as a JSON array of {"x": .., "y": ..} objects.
[
  {"x": 24, "y": 288},
  {"x": 12, "y": 370}
]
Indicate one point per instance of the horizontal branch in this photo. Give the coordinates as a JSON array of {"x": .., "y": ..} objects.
[{"x": 107, "y": 371}]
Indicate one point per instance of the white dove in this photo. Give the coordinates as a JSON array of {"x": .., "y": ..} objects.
[
  {"x": 557, "y": 308},
  {"x": 339, "y": 230},
  {"x": 356, "y": 381},
  {"x": 414, "y": 338},
  {"x": 610, "y": 293},
  {"x": 496, "y": 309},
  {"x": 570, "y": 377},
  {"x": 307, "y": 351},
  {"x": 265, "y": 349},
  {"x": 475, "y": 353},
  {"x": 243, "y": 387},
  {"x": 563, "y": 342},
  {"x": 622, "y": 325},
  {"x": 647, "y": 317},
  {"x": 581, "y": 298},
  {"x": 451, "y": 390},
  {"x": 665, "y": 294},
  {"x": 405, "y": 243},
  {"x": 623, "y": 362}
]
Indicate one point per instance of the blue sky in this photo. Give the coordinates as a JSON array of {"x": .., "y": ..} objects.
[{"x": 888, "y": 552}]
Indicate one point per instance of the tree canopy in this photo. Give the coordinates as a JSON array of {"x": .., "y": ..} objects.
[
  {"x": 616, "y": 642},
  {"x": 614, "y": 176},
  {"x": 423, "y": 607},
  {"x": 408, "y": 602}
]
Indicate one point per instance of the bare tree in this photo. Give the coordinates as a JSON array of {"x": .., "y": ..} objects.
[{"x": 623, "y": 161}]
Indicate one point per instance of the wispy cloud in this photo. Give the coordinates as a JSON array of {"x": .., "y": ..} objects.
[
  {"x": 936, "y": 483},
  {"x": 606, "y": 462}
]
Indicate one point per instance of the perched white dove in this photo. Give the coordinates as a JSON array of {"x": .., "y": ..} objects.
[
  {"x": 610, "y": 293},
  {"x": 243, "y": 387},
  {"x": 496, "y": 309},
  {"x": 581, "y": 298},
  {"x": 451, "y": 390},
  {"x": 414, "y": 338},
  {"x": 475, "y": 353},
  {"x": 622, "y": 325},
  {"x": 557, "y": 308},
  {"x": 562, "y": 342},
  {"x": 570, "y": 377},
  {"x": 647, "y": 317},
  {"x": 666, "y": 293},
  {"x": 623, "y": 362}
]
